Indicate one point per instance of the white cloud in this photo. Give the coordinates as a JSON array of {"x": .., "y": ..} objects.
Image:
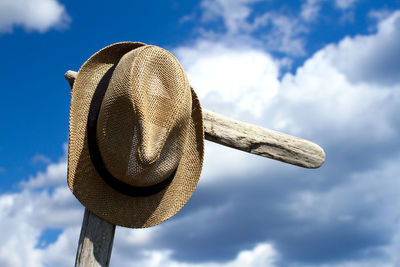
[
  {"x": 234, "y": 13},
  {"x": 18, "y": 239},
  {"x": 285, "y": 34},
  {"x": 62, "y": 252},
  {"x": 243, "y": 78},
  {"x": 24, "y": 216},
  {"x": 39, "y": 158},
  {"x": 375, "y": 188},
  {"x": 280, "y": 32},
  {"x": 139, "y": 237},
  {"x": 44, "y": 203},
  {"x": 310, "y": 10},
  {"x": 371, "y": 58},
  {"x": 39, "y": 15},
  {"x": 379, "y": 14},
  {"x": 345, "y": 4},
  {"x": 52, "y": 177},
  {"x": 321, "y": 99},
  {"x": 262, "y": 255}
]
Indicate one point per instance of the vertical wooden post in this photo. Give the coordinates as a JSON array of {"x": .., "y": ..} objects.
[{"x": 95, "y": 242}]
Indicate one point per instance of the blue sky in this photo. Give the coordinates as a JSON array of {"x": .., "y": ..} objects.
[{"x": 327, "y": 71}]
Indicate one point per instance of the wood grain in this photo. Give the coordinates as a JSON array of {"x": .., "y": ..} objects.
[
  {"x": 95, "y": 242},
  {"x": 260, "y": 141}
]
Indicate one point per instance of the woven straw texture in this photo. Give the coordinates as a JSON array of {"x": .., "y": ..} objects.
[{"x": 150, "y": 124}]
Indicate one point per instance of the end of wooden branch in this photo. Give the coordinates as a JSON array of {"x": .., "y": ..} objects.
[
  {"x": 70, "y": 77},
  {"x": 261, "y": 141}
]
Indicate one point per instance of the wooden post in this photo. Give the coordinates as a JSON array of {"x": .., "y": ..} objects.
[
  {"x": 96, "y": 239},
  {"x": 95, "y": 242}
]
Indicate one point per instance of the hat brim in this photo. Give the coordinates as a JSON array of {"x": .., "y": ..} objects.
[{"x": 84, "y": 181}]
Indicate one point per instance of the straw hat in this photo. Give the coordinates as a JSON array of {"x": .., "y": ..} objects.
[{"x": 136, "y": 135}]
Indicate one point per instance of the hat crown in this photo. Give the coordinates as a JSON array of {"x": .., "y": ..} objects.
[{"x": 142, "y": 123}]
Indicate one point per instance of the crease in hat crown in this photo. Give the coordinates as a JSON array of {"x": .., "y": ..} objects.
[{"x": 141, "y": 128}]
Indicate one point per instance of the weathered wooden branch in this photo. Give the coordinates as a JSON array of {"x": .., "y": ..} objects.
[
  {"x": 95, "y": 242},
  {"x": 260, "y": 141},
  {"x": 255, "y": 139}
]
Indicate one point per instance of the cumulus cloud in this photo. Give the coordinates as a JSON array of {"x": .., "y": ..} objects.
[
  {"x": 234, "y": 13},
  {"x": 284, "y": 33},
  {"x": 38, "y": 15},
  {"x": 241, "y": 79},
  {"x": 280, "y": 32},
  {"x": 310, "y": 9},
  {"x": 345, "y": 4},
  {"x": 262, "y": 255},
  {"x": 51, "y": 177},
  {"x": 44, "y": 203},
  {"x": 374, "y": 58},
  {"x": 253, "y": 21},
  {"x": 25, "y": 216}
]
